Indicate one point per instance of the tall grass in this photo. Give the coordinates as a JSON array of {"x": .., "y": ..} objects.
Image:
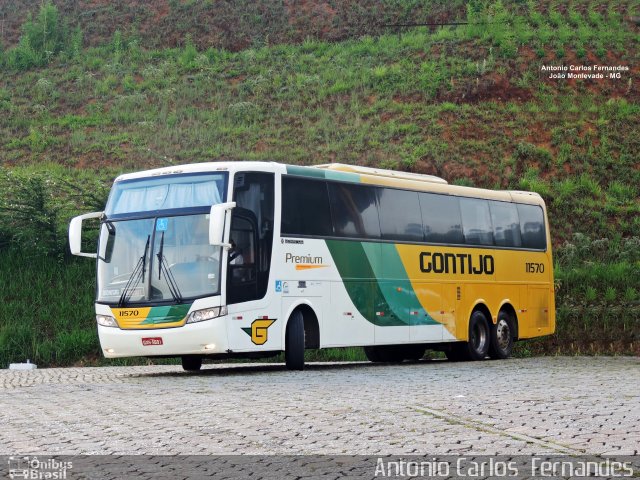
[{"x": 46, "y": 310}]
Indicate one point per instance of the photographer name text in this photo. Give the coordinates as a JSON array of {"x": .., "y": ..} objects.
[{"x": 584, "y": 72}]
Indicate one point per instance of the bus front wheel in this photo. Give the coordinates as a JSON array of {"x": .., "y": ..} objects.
[
  {"x": 191, "y": 363},
  {"x": 294, "y": 342},
  {"x": 501, "y": 344}
]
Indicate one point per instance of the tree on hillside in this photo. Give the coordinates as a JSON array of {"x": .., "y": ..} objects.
[{"x": 42, "y": 39}]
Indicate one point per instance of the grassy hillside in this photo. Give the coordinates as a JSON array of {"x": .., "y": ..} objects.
[
  {"x": 232, "y": 25},
  {"x": 468, "y": 103}
]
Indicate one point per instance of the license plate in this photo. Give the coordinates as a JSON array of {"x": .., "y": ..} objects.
[{"x": 147, "y": 341}]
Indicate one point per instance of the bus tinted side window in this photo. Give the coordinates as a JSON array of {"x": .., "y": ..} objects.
[
  {"x": 441, "y": 218},
  {"x": 305, "y": 207},
  {"x": 476, "y": 221},
  {"x": 532, "y": 226},
  {"x": 354, "y": 210},
  {"x": 400, "y": 217},
  {"x": 506, "y": 226}
]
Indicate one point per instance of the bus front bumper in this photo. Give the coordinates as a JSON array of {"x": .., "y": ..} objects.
[{"x": 203, "y": 338}]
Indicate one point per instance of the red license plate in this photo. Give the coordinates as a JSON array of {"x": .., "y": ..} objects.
[{"x": 146, "y": 341}]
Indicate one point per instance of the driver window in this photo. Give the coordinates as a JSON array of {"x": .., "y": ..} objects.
[
  {"x": 241, "y": 258},
  {"x": 242, "y": 251}
]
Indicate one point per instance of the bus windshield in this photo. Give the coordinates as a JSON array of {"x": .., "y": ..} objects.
[
  {"x": 159, "y": 259},
  {"x": 154, "y": 243}
]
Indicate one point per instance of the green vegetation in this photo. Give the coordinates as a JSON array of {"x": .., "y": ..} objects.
[
  {"x": 44, "y": 38},
  {"x": 468, "y": 103},
  {"x": 597, "y": 299},
  {"x": 45, "y": 317}
]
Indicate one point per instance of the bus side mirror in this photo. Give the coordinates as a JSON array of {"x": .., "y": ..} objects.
[
  {"x": 219, "y": 223},
  {"x": 75, "y": 234}
]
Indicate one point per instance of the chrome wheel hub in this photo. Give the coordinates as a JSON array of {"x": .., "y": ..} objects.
[
  {"x": 478, "y": 338},
  {"x": 503, "y": 334}
]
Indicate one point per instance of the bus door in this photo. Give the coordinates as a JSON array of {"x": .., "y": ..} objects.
[
  {"x": 254, "y": 322},
  {"x": 242, "y": 268}
]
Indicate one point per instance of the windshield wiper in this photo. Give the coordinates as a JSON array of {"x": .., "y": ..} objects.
[
  {"x": 170, "y": 279},
  {"x": 136, "y": 277}
]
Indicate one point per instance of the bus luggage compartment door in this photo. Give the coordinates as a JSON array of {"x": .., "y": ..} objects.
[{"x": 424, "y": 329}]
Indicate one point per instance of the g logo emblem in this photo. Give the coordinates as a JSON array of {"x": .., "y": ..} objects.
[{"x": 259, "y": 330}]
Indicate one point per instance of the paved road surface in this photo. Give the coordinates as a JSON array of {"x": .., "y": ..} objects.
[{"x": 550, "y": 405}]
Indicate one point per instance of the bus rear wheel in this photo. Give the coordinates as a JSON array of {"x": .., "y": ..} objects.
[
  {"x": 294, "y": 342},
  {"x": 502, "y": 337},
  {"x": 191, "y": 363}
]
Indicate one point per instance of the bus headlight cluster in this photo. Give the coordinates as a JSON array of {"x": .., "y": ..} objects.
[
  {"x": 106, "y": 321},
  {"x": 206, "y": 314}
]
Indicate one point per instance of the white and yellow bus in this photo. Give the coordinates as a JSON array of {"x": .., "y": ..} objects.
[{"x": 248, "y": 259}]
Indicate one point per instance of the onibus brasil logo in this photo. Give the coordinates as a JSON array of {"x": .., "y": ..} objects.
[
  {"x": 259, "y": 330},
  {"x": 26, "y": 467}
]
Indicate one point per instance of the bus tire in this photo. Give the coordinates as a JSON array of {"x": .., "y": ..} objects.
[
  {"x": 294, "y": 342},
  {"x": 385, "y": 353},
  {"x": 413, "y": 353},
  {"x": 477, "y": 347},
  {"x": 457, "y": 352},
  {"x": 502, "y": 337},
  {"x": 374, "y": 354},
  {"x": 191, "y": 363}
]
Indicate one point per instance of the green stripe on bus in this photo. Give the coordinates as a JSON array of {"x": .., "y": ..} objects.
[
  {"x": 305, "y": 171},
  {"x": 166, "y": 314},
  {"x": 359, "y": 265},
  {"x": 323, "y": 173},
  {"x": 397, "y": 288}
]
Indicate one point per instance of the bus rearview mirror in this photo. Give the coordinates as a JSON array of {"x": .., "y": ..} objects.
[
  {"x": 219, "y": 222},
  {"x": 75, "y": 234}
]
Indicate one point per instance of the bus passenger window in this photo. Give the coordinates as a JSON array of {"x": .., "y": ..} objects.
[
  {"x": 399, "y": 215},
  {"x": 532, "y": 227},
  {"x": 441, "y": 218},
  {"x": 476, "y": 222},
  {"x": 354, "y": 210},
  {"x": 506, "y": 225},
  {"x": 305, "y": 207}
]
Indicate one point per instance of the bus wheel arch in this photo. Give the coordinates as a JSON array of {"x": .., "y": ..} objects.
[{"x": 504, "y": 333}]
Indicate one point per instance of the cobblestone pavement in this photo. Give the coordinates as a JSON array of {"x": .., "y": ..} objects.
[{"x": 562, "y": 405}]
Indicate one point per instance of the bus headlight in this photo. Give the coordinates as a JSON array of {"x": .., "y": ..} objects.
[
  {"x": 206, "y": 314},
  {"x": 106, "y": 321}
]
